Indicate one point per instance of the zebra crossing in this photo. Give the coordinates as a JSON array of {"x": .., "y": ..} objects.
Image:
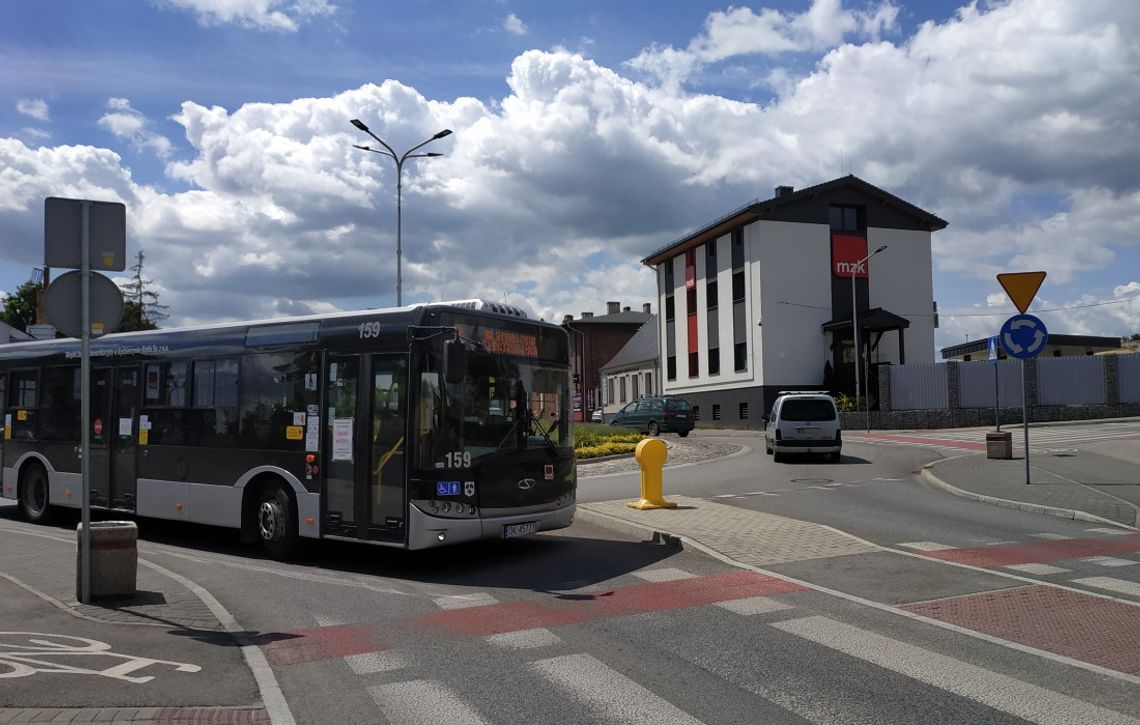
[
  {"x": 535, "y": 674},
  {"x": 1042, "y": 439}
]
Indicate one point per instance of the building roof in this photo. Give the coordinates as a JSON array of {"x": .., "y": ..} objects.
[
  {"x": 625, "y": 317},
  {"x": 11, "y": 334},
  {"x": 982, "y": 344},
  {"x": 762, "y": 208},
  {"x": 642, "y": 347}
]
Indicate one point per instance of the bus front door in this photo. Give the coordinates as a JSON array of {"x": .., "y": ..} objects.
[
  {"x": 101, "y": 433},
  {"x": 364, "y": 445}
]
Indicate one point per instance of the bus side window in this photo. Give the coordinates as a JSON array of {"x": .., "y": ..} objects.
[{"x": 25, "y": 397}]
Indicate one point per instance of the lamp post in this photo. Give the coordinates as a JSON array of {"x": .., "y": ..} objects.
[
  {"x": 855, "y": 327},
  {"x": 399, "y": 159}
]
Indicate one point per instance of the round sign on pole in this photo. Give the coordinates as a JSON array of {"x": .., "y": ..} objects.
[
  {"x": 1023, "y": 337},
  {"x": 63, "y": 303}
]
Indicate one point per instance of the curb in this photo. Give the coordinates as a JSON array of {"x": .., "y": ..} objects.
[{"x": 1063, "y": 513}]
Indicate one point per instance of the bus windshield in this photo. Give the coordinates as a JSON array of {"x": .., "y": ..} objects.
[{"x": 503, "y": 404}]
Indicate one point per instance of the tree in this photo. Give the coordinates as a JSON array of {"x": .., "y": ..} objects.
[
  {"x": 141, "y": 309},
  {"x": 20, "y": 306}
]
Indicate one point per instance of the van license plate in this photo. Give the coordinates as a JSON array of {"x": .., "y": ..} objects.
[
  {"x": 808, "y": 429},
  {"x": 512, "y": 530}
]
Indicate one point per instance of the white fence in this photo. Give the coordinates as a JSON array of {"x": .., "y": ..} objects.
[
  {"x": 976, "y": 384},
  {"x": 919, "y": 387},
  {"x": 1070, "y": 380},
  {"x": 1129, "y": 370}
]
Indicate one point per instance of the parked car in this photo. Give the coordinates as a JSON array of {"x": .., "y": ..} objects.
[
  {"x": 803, "y": 422},
  {"x": 596, "y": 416},
  {"x": 657, "y": 414}
]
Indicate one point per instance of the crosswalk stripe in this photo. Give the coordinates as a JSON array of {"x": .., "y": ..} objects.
[
  {"x": 1035, "y": 568},
  {"x": 1108, "y": 530},
  {"x": 1052, "y": 537},
  {"x": 524, "y": 639},
  {"x": 423, "y": 702},
  {"x": 754, "y": 605},
  {"x": 608, "y": 693},
  {"x": 1109, "y": 561},
  {"x": 1107, "y": 583},
  {"x": 992, "y": 689},
  {"x": 663, "y": 575},
  {"x": 462, "y": 601},
  {"x": 926, "y": 546},
  {"x": 372, "y": 662}
]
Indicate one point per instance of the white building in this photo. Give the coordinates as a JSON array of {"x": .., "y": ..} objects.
[{"x": 760, "y": 300}]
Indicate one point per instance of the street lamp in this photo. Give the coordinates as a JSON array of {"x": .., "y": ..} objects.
[
  {"x": 399, "y": 159},
  {"x": 855, "y": 327}
]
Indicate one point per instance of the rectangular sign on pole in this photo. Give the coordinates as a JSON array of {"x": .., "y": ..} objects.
[{"x": 106, "y": 228}]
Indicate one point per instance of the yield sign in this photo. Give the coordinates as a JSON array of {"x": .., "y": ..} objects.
[{"x": 1021, "y": 287}]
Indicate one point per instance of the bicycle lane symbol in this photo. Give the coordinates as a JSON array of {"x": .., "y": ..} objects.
[{"x": 36, "y": 652}]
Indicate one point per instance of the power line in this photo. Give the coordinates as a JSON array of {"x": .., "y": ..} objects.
[{"x": 985, "y": 314}]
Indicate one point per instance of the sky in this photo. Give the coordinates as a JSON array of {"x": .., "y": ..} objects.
[{"x": 585, "y": 135}]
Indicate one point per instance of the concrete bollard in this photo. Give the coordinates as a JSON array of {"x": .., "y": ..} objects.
[
  {"x": 999, "y": 444},
  {"x": 651, "y": 455},
  {"x": 114, "y": 559}
]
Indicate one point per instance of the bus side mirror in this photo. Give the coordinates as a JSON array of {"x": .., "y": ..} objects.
[{"x": 454, "y": 362}]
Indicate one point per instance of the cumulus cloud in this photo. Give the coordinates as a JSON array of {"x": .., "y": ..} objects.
[
  {"x": 513, "y": 25},
  {"x": 37, "y": 108},
  {"x": 740, "y": 31},
  {"x": 279, "y": 15},
  {"x": 548, "y": 196},
  {"x": 128, "y": 124}
]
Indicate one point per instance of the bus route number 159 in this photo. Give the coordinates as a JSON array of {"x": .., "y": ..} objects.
[
  {"x": 369, "y": 330},
  {"x": 458, "y": 459}
]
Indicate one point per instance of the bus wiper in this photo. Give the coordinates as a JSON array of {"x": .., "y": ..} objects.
[{"x": 536, "y": 422}]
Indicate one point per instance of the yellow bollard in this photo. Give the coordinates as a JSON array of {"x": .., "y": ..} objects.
[{"x": 651, "y": 454}]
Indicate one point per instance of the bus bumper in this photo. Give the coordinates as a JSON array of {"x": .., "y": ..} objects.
[{"x": 425, "y": 530}]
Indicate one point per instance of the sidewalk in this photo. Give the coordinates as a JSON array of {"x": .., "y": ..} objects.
[
  {"x": 159, "y": 657},
  {"x": 1080, "y": 484}
]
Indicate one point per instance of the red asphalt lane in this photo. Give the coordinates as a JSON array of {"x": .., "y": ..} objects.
[
  {"x": 1037, "y": 552},
  {"x": 575, "y": 608}
]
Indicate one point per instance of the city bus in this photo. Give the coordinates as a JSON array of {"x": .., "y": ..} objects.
[{"x": 412, "y": 427}]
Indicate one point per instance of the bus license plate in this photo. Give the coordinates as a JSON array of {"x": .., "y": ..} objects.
[{"x": 512, "y": 530}]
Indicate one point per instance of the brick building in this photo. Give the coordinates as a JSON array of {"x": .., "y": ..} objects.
[{"x": 594, "y": 340}]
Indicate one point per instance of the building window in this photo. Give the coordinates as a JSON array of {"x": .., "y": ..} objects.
[
  {"x": 609, "y": 390},
  {"x": 669, "y": 308},
  {"x": 694, "y": 364},
  {"x": 714, "y": 361},
  {"x": 738, "y": 286},
  {"x": 740, "y": 356},
  {"x": 744, "y": 411},
  {"x": 635, "y": 380},
  {"x": 737, "y": 248},
  {"x": 710, "y": 294},
  {"x": 671, "y": 367},
  {"x": 966, "y": 358},
  {"x": 716, "y": 411},
  {"x": 649, "y": 383},
  {"x": 691, "y": 301},
  {"x": 668, "y": 274},
  {"x": 847, "y": 218},
  {"x": 621, "y": 388},
  {"x": 696, "y": 412}
]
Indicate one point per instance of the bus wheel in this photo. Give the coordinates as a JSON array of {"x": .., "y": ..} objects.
[
  {"x": 276, "y": 523},
  {"x": 34, "y": 495}
]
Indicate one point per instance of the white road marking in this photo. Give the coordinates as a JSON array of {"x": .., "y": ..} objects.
[
  {"x": 462, "y": 601},
  {"x": 609, "y": 694},
  {"x": 753, "y": 605},
  {"x": 1113, "y": 585},
  {"x": 992, "y": 689},
  {"x": 1111, "y": 531},
  {"x": 423, "y": 702},
  {"x": 524, "y": 639},
  {"x": 1053, "y": 537},
  {"x": 370, "y": 662},
  {"x": 1001, "y": 543},
  {"x": 927, "y": 546},
  {"x": 1109, "y": 561},
  {"x": 663, "y": 575},
  {"x": 1036, "y": 568}
]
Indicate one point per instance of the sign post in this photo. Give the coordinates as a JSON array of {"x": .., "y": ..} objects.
[
  {"x": 1024, "y": 337},
  {"x": 64, "y": 219},
  {"x": 997, "y": 395}
]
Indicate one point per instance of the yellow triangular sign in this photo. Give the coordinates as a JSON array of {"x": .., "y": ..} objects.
[{"x": 1021, "y": 287}]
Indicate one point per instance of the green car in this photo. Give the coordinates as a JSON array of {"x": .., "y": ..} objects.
[{"x": 657, "y": 414}]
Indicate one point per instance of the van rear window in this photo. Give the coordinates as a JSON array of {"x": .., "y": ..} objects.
[{"x": 807, "y": 410}]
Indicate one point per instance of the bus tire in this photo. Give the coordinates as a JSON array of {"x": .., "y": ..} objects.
[
  {"x": 34, "y": 495},
  {"x": 276, "y": 522}
]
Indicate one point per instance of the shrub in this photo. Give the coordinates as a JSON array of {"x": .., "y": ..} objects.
[{"x": 608, "y": 448}]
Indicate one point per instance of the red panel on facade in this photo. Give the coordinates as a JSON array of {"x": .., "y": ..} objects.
[
  {"x": 692, "y": 332},
  {"x": 846, "y": 250}
]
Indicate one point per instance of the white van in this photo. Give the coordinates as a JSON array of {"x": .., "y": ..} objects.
[{"x": 803, "y": 422}]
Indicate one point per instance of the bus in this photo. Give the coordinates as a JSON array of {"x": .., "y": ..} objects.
[{"x": 410, "y": 427}]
